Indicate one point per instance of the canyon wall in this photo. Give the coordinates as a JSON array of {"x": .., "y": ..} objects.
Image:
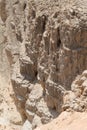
[{"x": 46, "y": 45}]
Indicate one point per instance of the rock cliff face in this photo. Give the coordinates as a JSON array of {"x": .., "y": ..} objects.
[
  {"x": 76, "y": 99},
  {"x": 46, "y": 46},
  {"x": 74, "y": 115},
  {"x": 10, "y": 118}
]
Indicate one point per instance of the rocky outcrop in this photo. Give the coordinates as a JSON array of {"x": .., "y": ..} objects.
[
  {"x": 67, "y": 120},
  {"x": 76, "y": 99},
  {"x": 46, "y": 46}
]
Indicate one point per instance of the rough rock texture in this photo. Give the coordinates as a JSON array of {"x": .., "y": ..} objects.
[
  {"x": 76, "y": 99},
  {"x": 46, "y": 45},
  {"x": 67, "y": 121},
  {"x": 74, "y": 107},
  {"x": 8, "y": 110},
  {"x": 10, "y": 118}
]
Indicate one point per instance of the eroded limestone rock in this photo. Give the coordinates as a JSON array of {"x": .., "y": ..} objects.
[
  {"x": 76, "y": 98},
  {"x": 47, "y": 45}
]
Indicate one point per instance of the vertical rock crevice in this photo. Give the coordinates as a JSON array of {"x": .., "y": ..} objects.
[{"x": 46, "y": 53}]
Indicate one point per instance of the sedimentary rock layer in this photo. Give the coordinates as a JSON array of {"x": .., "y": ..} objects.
[{"x": 46, "y": 45}]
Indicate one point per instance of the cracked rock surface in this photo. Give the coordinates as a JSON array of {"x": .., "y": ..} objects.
[{"x": 46, "y": 46}]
